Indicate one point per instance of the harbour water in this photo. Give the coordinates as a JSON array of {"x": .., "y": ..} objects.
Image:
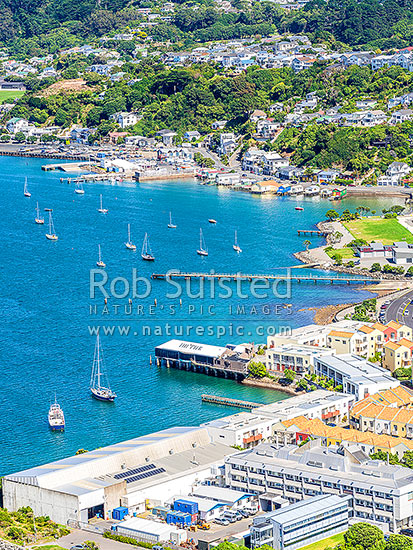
[{"x": 47, "y": 313}]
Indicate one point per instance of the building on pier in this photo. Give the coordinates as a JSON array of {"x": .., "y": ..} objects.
[{"x": 229, "y": 361}]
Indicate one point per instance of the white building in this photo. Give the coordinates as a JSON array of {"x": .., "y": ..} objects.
[
  {"x": 355, "y": 374},
  {"x": 323, "y": 404},
  {"x": 227, "y": 178},
  {"x": 381, "y": 493},
  {"x": 144, "y": 530},
  {"x": 150, "y": 468},
  {"x": 244, "y": 429},
  {"x": 298, "y": 358},
  {"x": 303, "y": 523},
  {"x": 402, "y": 253}
]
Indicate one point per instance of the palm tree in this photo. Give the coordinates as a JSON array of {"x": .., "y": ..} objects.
[{"x": 307, "y": 244}]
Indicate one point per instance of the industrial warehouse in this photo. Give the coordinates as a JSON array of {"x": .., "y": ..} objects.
[{"x": 151, "y": 468}]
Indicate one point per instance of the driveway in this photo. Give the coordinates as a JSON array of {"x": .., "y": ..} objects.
[{"x": 78, "y": 536}]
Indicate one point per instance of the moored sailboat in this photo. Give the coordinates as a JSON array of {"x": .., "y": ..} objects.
[
  {"x": 129, "y": 244},
  {"x": 38, "y": 219},
  {"x": 146, "y": 250},
  {"x": 202, "y": 251},
  {"x": 100, "y": 262},
  {"x": 79, "y": 188},
  {"x": 236, "y": 246},
  {"x": 52, "y": 233},
  {"x": 99, "y": 384},
  {"x": 102, "y": 210},
  {"x": 56, "y": 417},
  {"x": 170, "y": 224},
  {"x": 26, "y": 189}
]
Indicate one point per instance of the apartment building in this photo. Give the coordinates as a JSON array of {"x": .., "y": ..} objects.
[
  {"x": 381, "y": 493},
  {"x": 357, "y": 376},
  {"x": 299, "y": 358},
  {"x": 302, "y": 523},
  {"x": 244, "y": 429}
]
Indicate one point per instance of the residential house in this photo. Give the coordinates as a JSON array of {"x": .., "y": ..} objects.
[
  {"x": 401, "y": 116},
  {"x": 167, "y": 136},
  {"x": 17, "y": 124},
  {"x": 227, "y": 143},
  {"x": 346, "y": 341},
  {"x": 219, "y": 124},
  {"x": 272, "y": 162},
  {"x": 125, "y": 119},
  {"x": 397, "y": 355},
  {"x": 327, "y": 176},
  {"x": 257, "y": 115},
  {"x": 394, "y": 174},
  {"x": 244, "y": 429},
  {"x": 267, "y": 128},
  {"x": 192, "y": 135}
]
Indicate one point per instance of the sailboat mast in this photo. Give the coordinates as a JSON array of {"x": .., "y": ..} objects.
[
  {"x": 128, "y": 232},
  {"x": 37, "y": 210},
  {"x": 101, "y": 202},
  {"x": 98, "y": 359},
  {"x": 50, "y": 223},
  {"x": 200, "y": 239}
]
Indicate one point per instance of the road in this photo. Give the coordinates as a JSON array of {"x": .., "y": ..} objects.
[{"x": 401, "y": 310}]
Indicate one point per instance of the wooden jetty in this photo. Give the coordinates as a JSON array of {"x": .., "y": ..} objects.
[
  {"x": 217, "y": 400},
  {"x": 249, "y": 277},
  {"x": 312, "y": 232}
]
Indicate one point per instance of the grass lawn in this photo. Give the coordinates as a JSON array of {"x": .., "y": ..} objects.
[
  {"x": 331, "y": 542},
  {"x": 6, "y": 95},
  {"x": 345, "y": 252},
  {"x": 48, "y": 547},
  {"x": 386, "y": 231}
]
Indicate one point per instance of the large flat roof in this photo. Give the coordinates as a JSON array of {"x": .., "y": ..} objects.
[
  {"x": 220, "y": 494},
  {"x": 356, "y": 368},
  {"x": 192, "y": 348},
  {"x": 327, "y": 464},
  {"x": 305, "y": 508},
  {"x": 113, "y": 458}
]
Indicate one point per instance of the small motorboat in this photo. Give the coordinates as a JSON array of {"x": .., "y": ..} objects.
[
  {"x": 211, "y": 220},
  {"x": 56, "y": 417},
  {"x": 300, "y": 208}
]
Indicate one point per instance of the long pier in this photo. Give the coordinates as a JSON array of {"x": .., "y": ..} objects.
[
  {"x": 251, "y": 277},
  {"x": 217, "y": 400}
]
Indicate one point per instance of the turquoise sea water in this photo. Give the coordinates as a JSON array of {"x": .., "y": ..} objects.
[{"x": 46, "y": 346}]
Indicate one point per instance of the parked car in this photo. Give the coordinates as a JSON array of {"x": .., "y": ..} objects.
[
  {"x": 221, "y": 521},
  {"x": 407, "y": 532},
  {"x": 244, "y": 513}
]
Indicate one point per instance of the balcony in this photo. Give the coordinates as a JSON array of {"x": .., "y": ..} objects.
[
  {"x": 330, "y": 414},
  {"x": 252, "y": 439}
]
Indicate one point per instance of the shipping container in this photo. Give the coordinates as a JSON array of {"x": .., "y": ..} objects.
[
  {"x": 186, "y": 506},
  {"x": 179, "y": 518},
  {"x": 119, "y": 513},
  {"x": 160, "y": 511}
]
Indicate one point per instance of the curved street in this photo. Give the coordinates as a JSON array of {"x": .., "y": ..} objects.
[{"x": 401, "y": 310}]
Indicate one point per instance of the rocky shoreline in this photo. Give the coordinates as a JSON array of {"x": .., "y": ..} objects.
[{"x": 270, "y": 385}]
